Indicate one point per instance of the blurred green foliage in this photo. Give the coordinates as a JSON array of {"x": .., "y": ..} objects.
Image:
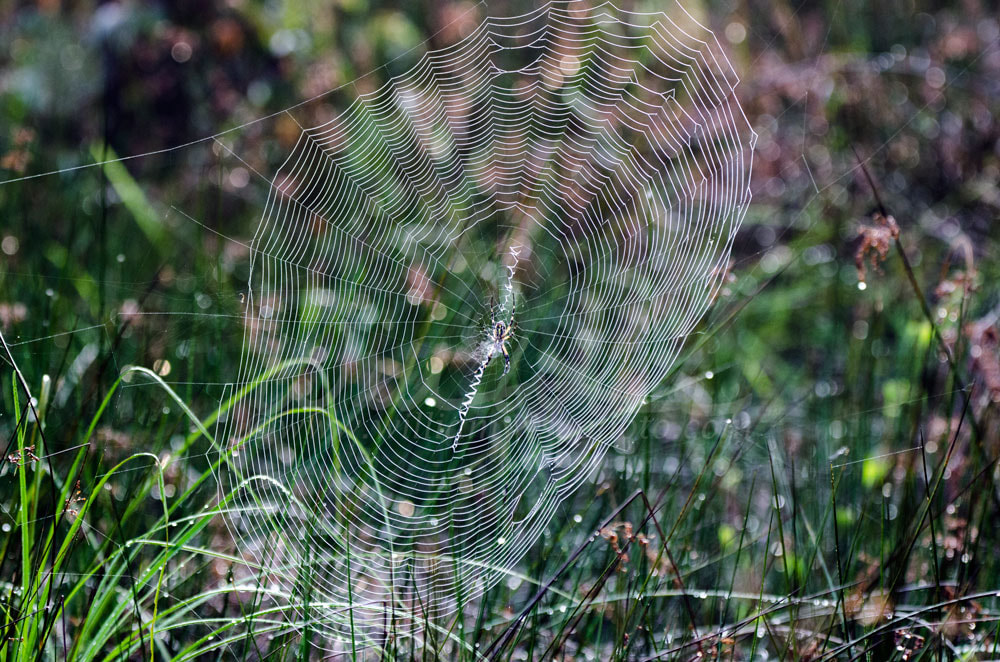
[{"x": 871, "y": 458}]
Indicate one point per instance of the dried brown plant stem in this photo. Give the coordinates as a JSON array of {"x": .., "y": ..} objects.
[
  {"x": 23, "y": 382},
  {"x": 966, "y": 413},
  {"x": 497, "y": 647},
  {"x": 908, "y": 268}
]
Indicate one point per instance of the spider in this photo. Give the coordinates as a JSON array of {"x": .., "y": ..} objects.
[{"x": 500, "y": 333}]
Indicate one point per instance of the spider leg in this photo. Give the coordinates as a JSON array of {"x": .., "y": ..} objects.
[
  {"x": 506, "y": 358},
  {"x": 508, "y": 333}
]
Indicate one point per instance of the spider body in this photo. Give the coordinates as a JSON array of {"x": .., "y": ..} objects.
[{"x": 501, "y": 332}]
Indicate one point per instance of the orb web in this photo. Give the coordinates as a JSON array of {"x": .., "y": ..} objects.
[{"x": 578, "y": 172}]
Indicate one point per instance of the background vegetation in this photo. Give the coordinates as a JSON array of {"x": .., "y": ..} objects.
[{"x": 821, "y": 466}]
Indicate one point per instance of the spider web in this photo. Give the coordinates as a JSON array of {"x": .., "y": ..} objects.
[{"x": 581, "y": 172}]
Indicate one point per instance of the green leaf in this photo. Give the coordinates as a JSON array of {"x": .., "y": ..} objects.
[{"x": 132, "y": 196}]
